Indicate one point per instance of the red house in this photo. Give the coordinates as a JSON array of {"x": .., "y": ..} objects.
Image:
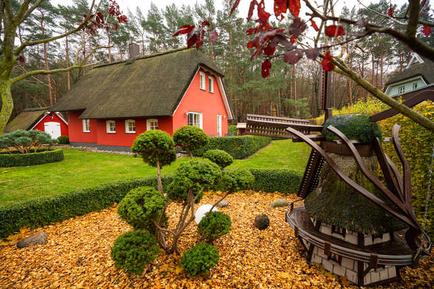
[
  {"x": 113, "y": 103},
  {"x": 41, "y": 119}
]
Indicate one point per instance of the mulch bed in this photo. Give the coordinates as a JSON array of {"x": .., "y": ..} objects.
[{"x": 77, "y": 255}]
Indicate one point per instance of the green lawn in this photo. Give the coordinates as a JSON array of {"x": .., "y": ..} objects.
[{"x": 87, "y": 169}]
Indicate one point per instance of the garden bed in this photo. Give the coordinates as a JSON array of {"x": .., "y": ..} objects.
[
  {"x": 31, "y": 159},
  {"x": 78, "y": 255}
]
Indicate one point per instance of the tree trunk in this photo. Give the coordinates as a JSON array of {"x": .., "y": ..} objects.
[
  {"x": 68, "y": 75},
  {"x": 7, "y": 103},
  {"x": 159, "y": 182}
]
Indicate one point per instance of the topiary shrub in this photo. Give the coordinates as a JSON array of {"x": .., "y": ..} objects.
[
  {"x": 200, "y": 259},
  {"x": 157, "y": 149},
  {"x": 190, "y": 138},
  {"x": 193, "y": 176},
  {"x": 133, "y": 250},
  {"x": 214, "y": 225},
  {"x": 25, "y": 141},
  {"x": 236, "y": 180},
  {"x": 141, "y": 207},
  {"x": 222, "y": 158},
  {"x": 63, "y": 139},
  {"x": 355, "y": 126}
]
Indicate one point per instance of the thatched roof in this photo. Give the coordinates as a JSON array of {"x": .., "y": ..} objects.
[
  {"x": 336, "y": 203},
  {"x": 26, "y": 119},
  {"x": 147, "y": 86},
  {"x": 424, "y": 69}
]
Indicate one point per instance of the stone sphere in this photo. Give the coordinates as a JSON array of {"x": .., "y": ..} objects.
[
  {"x": 202, "y": 211},
  {"x": 262, "y": 222}
]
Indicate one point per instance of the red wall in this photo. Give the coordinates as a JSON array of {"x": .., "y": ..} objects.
[
  {"x": 98, "y": 134},
  {"x": 52, "y": 117},
  {"x": 209, "y": 104}
]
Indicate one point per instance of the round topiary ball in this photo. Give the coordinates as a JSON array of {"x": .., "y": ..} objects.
[
  {"x": 133, "y": 250},
  {"x": 155, "y": 146},
  {"x": 141, "y": 206},
  {"x": 200, "y": 259},
  {"x": 236, "y": 180},
  {"x": 220, "y": 157},
  {"x": 262, "y": 222},
  {"x": 190, "y": 138},
  {"x": 214, "y": 225},
  {"x": 355, "y": 127},
  {"x": 196, "y": 176}
]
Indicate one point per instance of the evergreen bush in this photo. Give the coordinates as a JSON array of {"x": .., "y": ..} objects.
[
  {"x": 214, "y": 225},
  {"x": 155, "y": 146},
  {"x": 133, "y": 250},
  {"x": 220, "y": 157},
  {"x": 63, "y": 139},
  {"x": 200, "y": 259},
  {"x": 190, "y": 138},
  {"x": 31, "y": 159},
  {"x": 25, "y": 141},
  {"x": 236, "y": 180}
]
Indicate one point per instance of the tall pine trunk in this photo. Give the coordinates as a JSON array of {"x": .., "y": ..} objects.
[{"x": 7, "y": 103}]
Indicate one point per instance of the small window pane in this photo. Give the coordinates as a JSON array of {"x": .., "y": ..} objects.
[
  {"x": 86, "y": 125},
  {"x": 195, "y": 119},
  {"x": 211, "y": 84},
  {"x": 202, "y": 80},
  {"x": 111, "y": 126},
  {"x": 130, "y": 126},
  {"x": 152, "y": 124}
]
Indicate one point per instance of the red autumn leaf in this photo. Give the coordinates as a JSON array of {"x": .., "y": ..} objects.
[
  {"x": 390, "y": 11},
  {"x": 213, "y": 36},
  {"x": 269, "y": 50},
  {"x": 253, "y": 3},
  {"x": 280, "y": 7},
  {"x": 262, "y": 14},
  {"x": 294, "y": 7},
  {"x": 185, "y": 29},
  {"x": 334, "y": 30},
  {"x": 251, "y": 31},
  {"x": 205, "y": 23},
  {"x": 312, "y": 53},
  {"x": 253, "y": 43},
  {"x": 192, "y": 40},
  {"x": 293, "y": 39},
  {"x": 265, "y": 68},
  {"x": 313, "y": 24},
  {"x": 122, "y": 19},
  {"x": 426, "y": 30},
  {"x": 292, "y": 57},
  {"x": 326, "y": 62}
]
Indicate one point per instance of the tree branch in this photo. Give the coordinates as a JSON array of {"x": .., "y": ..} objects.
[
  {"x": 405, "y": 110},
  {"x": 42, "y": 71},
  {"x": 413, "y": 18}
]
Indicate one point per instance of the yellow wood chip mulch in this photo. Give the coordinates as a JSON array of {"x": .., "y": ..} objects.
[{"x": 77, "y": 255}]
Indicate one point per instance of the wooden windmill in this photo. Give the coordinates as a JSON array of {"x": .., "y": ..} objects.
[{"x": 352, "y": 223}]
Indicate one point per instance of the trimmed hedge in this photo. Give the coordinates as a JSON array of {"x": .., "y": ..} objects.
[
  {"x": 276, "y": 180},
  {"x": 30, "y": 159},
  {"x": 239, "y": 147},
  {"x": 44, "y": 211}
]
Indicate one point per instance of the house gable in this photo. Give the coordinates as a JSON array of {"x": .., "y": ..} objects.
[{"x": 405, "y": 86}]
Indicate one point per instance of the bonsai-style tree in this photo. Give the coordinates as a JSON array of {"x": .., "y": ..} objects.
[
  {"x": 157, "y": 149},
  {"x": 220, "y": 157},
  {"x": 24, "y": 141},
  {"x": 190, "y": 138}
]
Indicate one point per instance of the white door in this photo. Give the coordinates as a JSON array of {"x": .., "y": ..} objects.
[
  {"x": 219, "y": 125},
  {"x": 53, "y": 129}
]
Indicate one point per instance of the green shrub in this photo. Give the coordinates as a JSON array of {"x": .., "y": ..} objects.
[
  {"x": 222, "y": 158},
  {"x": 141, "y": 206},
  {"x": 232, "y": 130},
  {"x": 200, "y": 259},
  {"x": 133, "y": 250},
  {"x": 63, "y": 139},
  {"x": 214, "y": 225},
  {"x": 236, "y": 180},
  {"x": 355, "y": 126},
  {"x": 30, "y": 159},
  {"x": 276, "y": 180},
  {"x": 25, "y": 140},
  {"x": 239, "y": 147},
  {"x": 190, "y": 138},
  {"x": 155, "y": 146},
  {"x": 196, "y": 176}
]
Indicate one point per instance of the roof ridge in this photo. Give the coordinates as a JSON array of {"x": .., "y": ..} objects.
[
  {"x": 143, "y": 57},
  {"x": 36, "y": 108}
]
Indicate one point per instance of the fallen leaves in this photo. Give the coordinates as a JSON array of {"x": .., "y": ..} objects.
[{"x": 77, "y": 255}]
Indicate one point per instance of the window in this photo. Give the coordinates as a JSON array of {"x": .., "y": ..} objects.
[
  {"x": 202, "y": 80},
  {"x": 211, "y": 84},
  {"x": 401, "y": 89},
  {"x": 151, "y": 124},
  {"x": 415, "y": 85},
  {"x": 130, "y": 126},
  {"x": 110, "y": 126},
  {"x": 195, "y": 119},
  {"x": 339, "y": 230},
  {"x": 86, "y": 125}
]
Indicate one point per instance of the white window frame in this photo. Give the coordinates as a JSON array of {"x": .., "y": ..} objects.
[
  {"x": 219, "y": 125},
  {"x": 108, "y": 127},
  {"x": 200, "y": 123},
  {"x": 202, "y": 80},
  {"x": 149, "y": 124},
  {"x": 211, "y": 84},
  {"x": 401, "y": 89},
  {"x": 127, "y": 127},
  {"x": 85, "y": 124},
  {"x": 415, "y": 85}
]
